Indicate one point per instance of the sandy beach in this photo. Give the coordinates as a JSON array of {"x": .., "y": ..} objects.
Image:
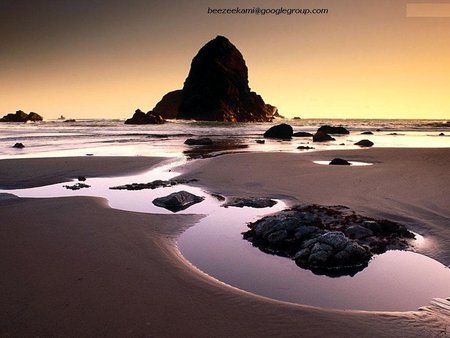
[{"x": 75, "y": 267}]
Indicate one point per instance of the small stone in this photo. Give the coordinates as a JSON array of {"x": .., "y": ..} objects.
[
  {"x": 321, "y": 136},
  {"x": 260, "y": 141},
  {"x": 18, "y": 145},
  {"x": 364, "y": 143},
  {"x": 204, "y": 141},
  {"x": 339, "y": 161}
]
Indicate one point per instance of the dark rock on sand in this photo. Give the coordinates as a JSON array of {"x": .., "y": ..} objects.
[
  {"x": 327, "y": 240},
  {"x": 81, "y": 178},
  {"x": 321, "y": 136},
  {"x": 252, "y": 202},
  {"x": 305, "y": 147},
  {"x": 21, "y": 116},
  {"x": 282, "y": 131},
  {"x": 364, "y": 143},
  {"x": 217, "y": 89},
  {"x": 334, "y": 130},
  {"x": 18, "y": 145},
  {"x": 204, "y": 141},
  {"x": 260, "y": 141},
  {"x": 339, "y": 161},
  {"x": 302, "y": 134},
  {"x": 153, "y": 185},
  {"x": 441, "y": 134},
  {"x": 169, "y": 104},
  {"x": 140, "y": 117},
  {"x": 76, "y": 186},
  {"x": 177, "y": 201},
  {"x": 366, "y": 133}
]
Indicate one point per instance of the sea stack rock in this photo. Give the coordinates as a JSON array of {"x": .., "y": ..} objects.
[
  {"x": 217, "y": 89},
  {"x": 21, "y": 116}
]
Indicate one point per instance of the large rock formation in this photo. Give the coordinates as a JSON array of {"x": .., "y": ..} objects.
[
  {"x": 217, "y": 89},
  {"x": 21, "y": 116},
  {"x": 334, "y": 241}
]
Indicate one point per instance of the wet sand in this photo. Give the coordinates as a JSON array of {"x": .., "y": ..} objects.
[{"x": 75, "y": 267}]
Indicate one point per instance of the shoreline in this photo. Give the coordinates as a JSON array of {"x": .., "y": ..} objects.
[{"x": 134, "y": 281}]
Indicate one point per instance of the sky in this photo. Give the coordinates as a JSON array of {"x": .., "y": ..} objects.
[{"x": 104, "y": 59}]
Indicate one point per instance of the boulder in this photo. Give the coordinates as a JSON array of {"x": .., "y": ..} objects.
[
  {"x": 167, "y": 108},
  {"x": 216, "y": 88},
  {"x": 364, "y": 143},
  {"x": 177, "y": 201},
  {"x": 358, "y": 232},
  {"x": 441, "y": 134},
  {"x": 321, "y": 136},
  {"x": 139, "y": 117},
  {"x": 252, "y": 202},
  {"x": 282, "y": 131},
  {"x": 204, "y": 141},
  {"x": 339, "y": 161},
  {"x": 18, "y": 145},
  {"x": 302, "y": 134},
  {"x": 334, "y": 130},
  {"x": 366, "y": 133}
]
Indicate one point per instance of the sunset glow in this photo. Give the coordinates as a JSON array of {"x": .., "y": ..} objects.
[{"x": 365, "y": 59}]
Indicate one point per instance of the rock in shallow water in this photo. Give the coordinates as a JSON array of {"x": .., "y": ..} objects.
[
  {"x": 327, "y": 240},
  {"x": 282, "y": 131},
  {"x": 252, "y": 202},
  {"x": 339, "y": 161},
  {"x": 177, "y": 201}
]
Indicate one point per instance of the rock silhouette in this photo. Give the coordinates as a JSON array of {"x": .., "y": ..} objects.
[
  {"x": 216, "y": 89},
  {"x": 140, "y": 117},
  {"x": 21, "y": 116}
]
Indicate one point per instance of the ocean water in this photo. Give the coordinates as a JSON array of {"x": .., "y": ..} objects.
[{"x": 114, "y": 138}]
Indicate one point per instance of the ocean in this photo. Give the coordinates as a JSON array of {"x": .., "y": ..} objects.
[{"x": 102, "y": 137}]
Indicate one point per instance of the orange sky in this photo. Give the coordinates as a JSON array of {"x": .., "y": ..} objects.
[{"x": 104, "y": 59}]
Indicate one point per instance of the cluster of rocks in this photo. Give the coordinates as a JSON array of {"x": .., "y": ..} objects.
[
  {"x": 216, "y": 89},
  {"x": 21, "y": 116},
  {"x": 177, "y": 201},
  {"x": 251, "y": 202},
  {"x": 153, "y": 185},
  {"x": 140, "y": 117},
  {"x": 285, "y": 132},
  {"x": 334, "y": 241}
]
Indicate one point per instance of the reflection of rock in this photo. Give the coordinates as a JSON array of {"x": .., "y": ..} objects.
[
  {"x": 339, "y": 161},
  {"x": 364, "y": 143},
  {"x": 18, "y": 145},
  {"x": 217, "y": 147},
  {"x": 21, "y": 116},
  {"x": 302, "y": 134},
  {"x": 333, "y": 130},
  {"x": 140, "y": 117},
  {"x": 177, "y": 201},
  {"x": 168, "y": 106},
  {"x": 252, "y": 202},
  {"x": 327, "y": 240},
  {"x": 204, "y": 141},
  {"x": 321, "y": 136},
  {"x": 216, "y": 88},
  {"x": 282, "y": 131}
]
